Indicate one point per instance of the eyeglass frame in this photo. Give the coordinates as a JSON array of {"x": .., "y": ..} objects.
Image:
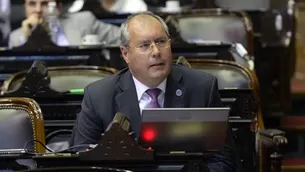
[{"x": 149, "y": 49}]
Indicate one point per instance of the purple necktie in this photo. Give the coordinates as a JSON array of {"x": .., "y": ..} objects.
[{"x": 153, "y": 94}]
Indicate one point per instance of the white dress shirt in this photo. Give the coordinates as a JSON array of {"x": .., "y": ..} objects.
[{"x": 143, "y": 98}]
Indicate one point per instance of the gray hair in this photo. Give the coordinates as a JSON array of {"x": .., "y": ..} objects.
[{"x": 124, "y": 34}]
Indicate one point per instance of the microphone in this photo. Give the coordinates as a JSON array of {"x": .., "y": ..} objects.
[
  {"x": 182, "y": 61},
  {"x": 121, "y": 120},
  {"x": 39, "y": 67},
  {"x": 120, "y": 141}
]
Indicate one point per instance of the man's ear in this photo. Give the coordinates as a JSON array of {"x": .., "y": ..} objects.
[{"x": 124, "y": 52}]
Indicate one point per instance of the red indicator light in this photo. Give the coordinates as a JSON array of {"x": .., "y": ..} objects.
[{"x": 149, "y": 134}]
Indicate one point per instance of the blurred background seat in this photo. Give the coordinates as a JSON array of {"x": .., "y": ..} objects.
[
  {"x": 60, "y": 112},
  {"x": 64, "y": 78},
  {"x": 21, "y": 127},
  {"x": 21, "y": 121},
  {"x": 212, "y": 25},
  {"x": 243, "y": 4},
  {"x": 255, "y": 144}
]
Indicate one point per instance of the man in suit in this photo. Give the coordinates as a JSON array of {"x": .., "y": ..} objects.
[
  {"x": 149, "y": 81},
  {"x": 71, "y": 27}
]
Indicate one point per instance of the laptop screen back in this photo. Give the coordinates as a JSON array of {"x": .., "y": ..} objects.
[{"x": 184, "y": 129}]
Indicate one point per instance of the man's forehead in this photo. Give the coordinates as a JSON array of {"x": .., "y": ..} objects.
[
  {"x": 143, "y": 23},
  {"x": 143, "y": 18}
]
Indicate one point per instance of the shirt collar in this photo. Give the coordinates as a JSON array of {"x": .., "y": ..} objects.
[{"x": 141, "y": 88}]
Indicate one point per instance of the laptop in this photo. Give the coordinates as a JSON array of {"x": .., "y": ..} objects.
[{"x": 187, "y": 130}]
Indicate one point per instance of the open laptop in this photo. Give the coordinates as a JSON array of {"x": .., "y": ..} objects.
[{"x": 192, "y": 130}]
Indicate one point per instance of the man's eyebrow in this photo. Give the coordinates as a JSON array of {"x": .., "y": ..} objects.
[
  {"x": 31, "y": 2},
  {"x": 161, "y": 37},
  {"x": 157, "y": 39},
  {"x": 144, "y": 41}
]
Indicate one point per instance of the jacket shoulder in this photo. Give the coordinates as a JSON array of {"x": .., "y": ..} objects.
[
  {"x": 83, "y": 15},
  {"x": 106, "y": 86}
]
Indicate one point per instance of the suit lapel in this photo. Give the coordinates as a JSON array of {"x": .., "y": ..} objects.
[
  {"x": 175, "y": 90},
  {"x": 73, "y": 34},
  {"x": 127, "y": 101}
]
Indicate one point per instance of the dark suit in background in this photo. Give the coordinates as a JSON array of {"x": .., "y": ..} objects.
[{"x": 117, "y": 93}]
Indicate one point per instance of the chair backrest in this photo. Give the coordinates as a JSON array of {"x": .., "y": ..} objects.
[
  {"x": 21, "y": 122},
  {"x": 212, "y": 25},
  {"x": 233, "y": 78},
  {"x": 243, "y": 4},
  {"x": 230, "y": 75},
  {"x": 64, "y": 78}
]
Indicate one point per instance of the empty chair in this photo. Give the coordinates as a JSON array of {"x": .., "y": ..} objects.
[
  {"x": 21, "y": 122},
  {"x": 253, "y": 140},
  {"x": 64, "y": 78},
  {"x": 214, "y": 26},
  {"x": 57, "y": 110},
  {"x": 21, "y": 127},
  {"x": 230, "y": 74}
]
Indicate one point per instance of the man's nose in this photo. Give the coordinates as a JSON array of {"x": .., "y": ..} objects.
[
  {"x": 155, "y": 50},
  {"x": 38, "y": 8}
]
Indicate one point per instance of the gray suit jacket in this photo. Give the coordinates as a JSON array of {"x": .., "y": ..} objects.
[
  {"x": 75, "y": 27},
  {"x": 117, "y": 93}
]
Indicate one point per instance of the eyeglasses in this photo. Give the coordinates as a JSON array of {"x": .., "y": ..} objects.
[{"x": 148, "y": 47}]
